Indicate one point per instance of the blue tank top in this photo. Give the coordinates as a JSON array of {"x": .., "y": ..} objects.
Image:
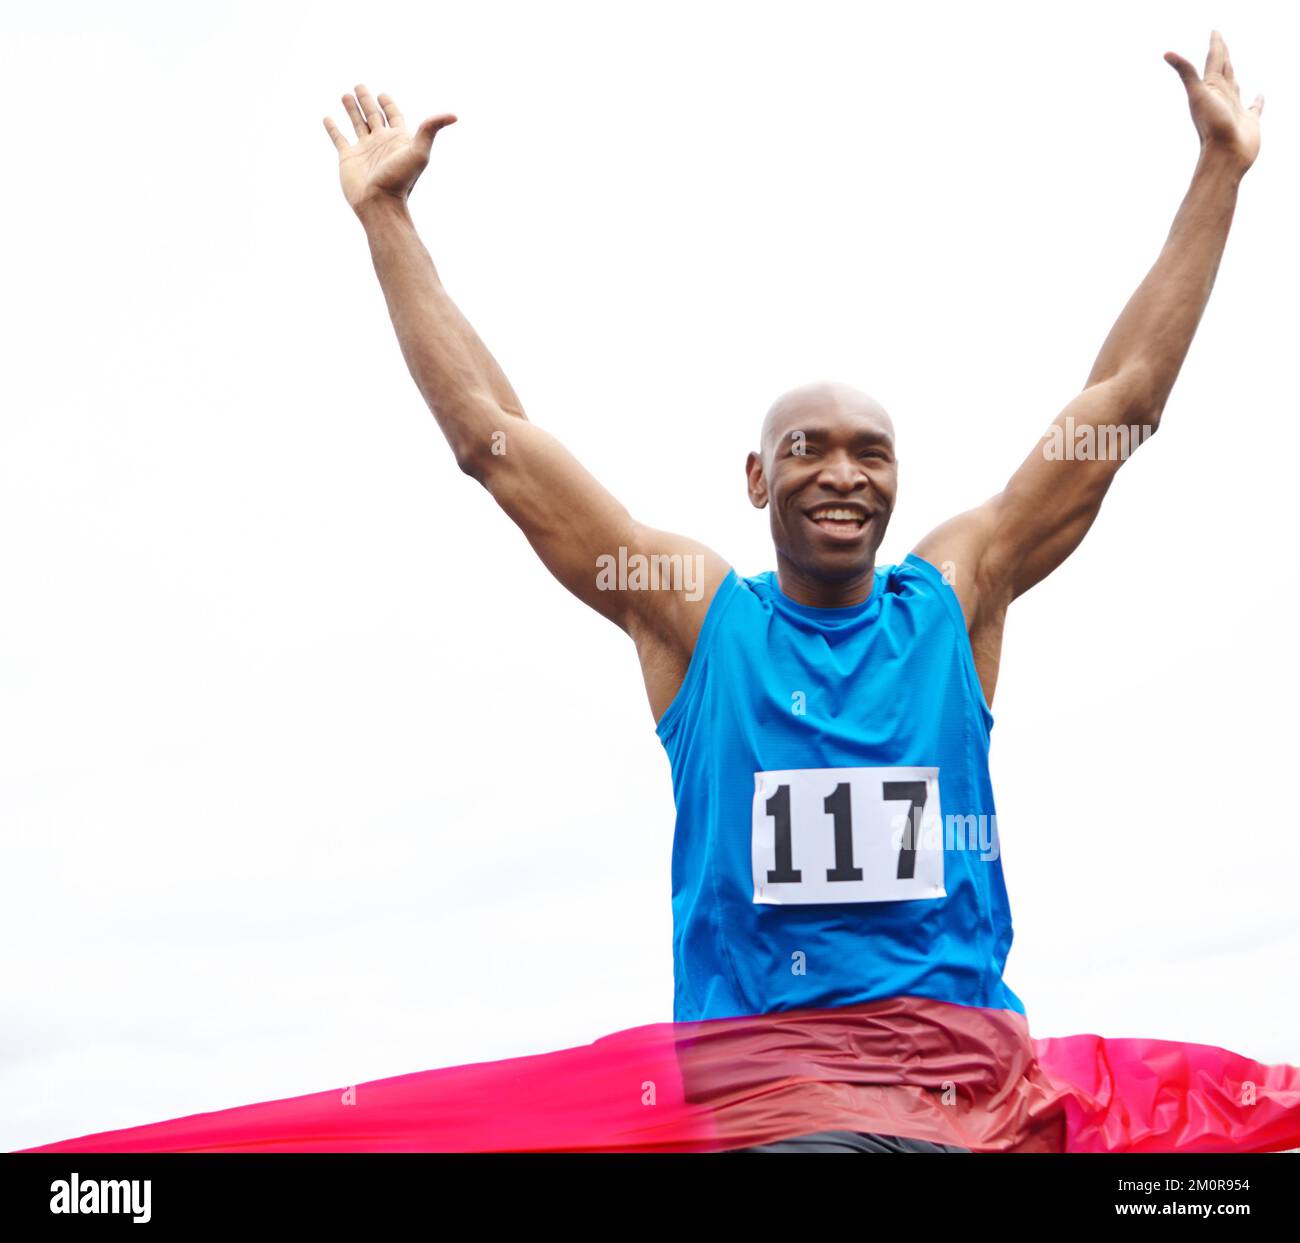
[{"x": 775, "y": 687}]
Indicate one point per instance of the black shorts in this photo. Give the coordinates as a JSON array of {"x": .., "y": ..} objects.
[{"x": 851, "y": 1141}]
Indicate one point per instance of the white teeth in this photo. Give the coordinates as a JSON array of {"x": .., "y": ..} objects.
[{"x": 838, "y": 515}]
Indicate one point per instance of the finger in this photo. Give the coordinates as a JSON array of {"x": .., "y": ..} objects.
[
  {"x": 1217, "y": 54},
  {"x": 389, "y": 105},
  {"x": 1258, "y": 106},
  {"x": 423, "y": 140},
  {"x": 336, "y": 135},
  {"x": 374, "y": 116},
  {"x": 354, "y": 114},
  {"x": 1184, "y": 68}
]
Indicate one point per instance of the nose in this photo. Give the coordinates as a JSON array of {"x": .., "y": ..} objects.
[{"x": 842, "y": 472}]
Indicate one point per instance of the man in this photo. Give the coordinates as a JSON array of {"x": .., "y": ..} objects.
[{"x": 827, "y": 724}]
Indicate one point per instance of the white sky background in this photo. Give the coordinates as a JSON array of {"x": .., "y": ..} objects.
[{"x": 309, "y": 773}]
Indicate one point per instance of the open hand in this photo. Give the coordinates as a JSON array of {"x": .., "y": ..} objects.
[
  {"x": 386, "y": 159},
  {"x": 1215, "y": 101}
]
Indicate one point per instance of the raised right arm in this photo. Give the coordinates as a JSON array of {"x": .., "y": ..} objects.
[{"x": 583, "y": 535}]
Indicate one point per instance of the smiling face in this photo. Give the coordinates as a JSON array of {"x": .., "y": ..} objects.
[{"x": 827, "y": 471}]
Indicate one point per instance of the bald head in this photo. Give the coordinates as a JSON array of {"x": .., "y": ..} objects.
[
  {"x": 827, "y": 473},
  {"x": 810, "y": 404}
]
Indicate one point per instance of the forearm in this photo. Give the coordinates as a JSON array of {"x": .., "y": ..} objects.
[
  {"x": 457, "y": 376},
  {"x": 1155, "y": 330}
]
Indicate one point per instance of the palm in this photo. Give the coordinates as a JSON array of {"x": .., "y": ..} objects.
[
  {"x": 381, "y": 161},
  {"x": 386, "y": 159},
  {"x": 1215, "y": 102}
]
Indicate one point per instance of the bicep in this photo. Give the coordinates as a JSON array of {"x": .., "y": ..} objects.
[
  {"x": 1000, "y": 549},
  {"x": 642, "y": 579},
  {"x": 1051, "y": 501},
  {"x": 564, "y": 512}
]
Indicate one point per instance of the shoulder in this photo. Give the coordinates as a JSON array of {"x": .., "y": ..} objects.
[
  {"x": 917, "y": 572},
  {"x": 959, "y": 551},
  {"x": 758, "y": 586},
  {"x": 933, "y": 584}
]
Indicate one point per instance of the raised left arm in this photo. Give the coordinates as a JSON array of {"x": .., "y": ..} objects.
[{"x": 997, "y": 551}]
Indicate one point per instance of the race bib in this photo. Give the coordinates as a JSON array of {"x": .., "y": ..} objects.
[{"x": 847, "y": 835}]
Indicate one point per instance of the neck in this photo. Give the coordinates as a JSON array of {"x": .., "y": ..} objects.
[{"x": 823, "y": 593}]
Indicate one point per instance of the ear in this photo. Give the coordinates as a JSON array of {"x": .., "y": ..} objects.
[{"x": 755, "y": 481}]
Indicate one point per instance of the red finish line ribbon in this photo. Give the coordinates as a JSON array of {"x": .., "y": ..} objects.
[{"x": 906, "y": 1066}]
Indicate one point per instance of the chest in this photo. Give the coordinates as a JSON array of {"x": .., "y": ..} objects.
[{"x": 868, "y": 688}]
